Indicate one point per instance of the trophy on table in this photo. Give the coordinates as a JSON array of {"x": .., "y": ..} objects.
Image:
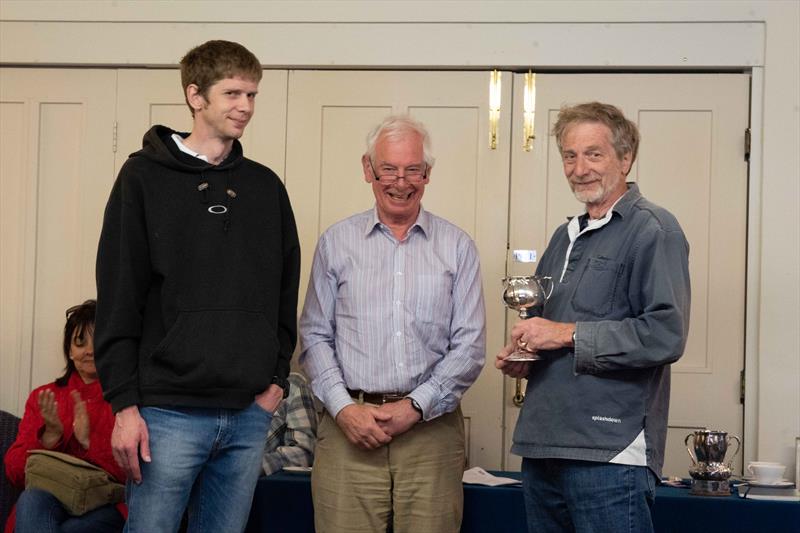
[
  {"x": 524, "y": 293},
  {"x": 709, "y": 470}
]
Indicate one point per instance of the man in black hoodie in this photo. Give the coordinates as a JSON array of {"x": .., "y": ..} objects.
[{"x": 197, "y": 277}]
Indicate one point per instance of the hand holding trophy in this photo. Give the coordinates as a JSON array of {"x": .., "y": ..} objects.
[{"x": 523, "y": 293}]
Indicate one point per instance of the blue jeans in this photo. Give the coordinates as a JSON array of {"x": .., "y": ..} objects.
[
  {"x": 39, "y": 511},
  {"x": 564, "y": 495},
  {"x": 209, "y": 459}
]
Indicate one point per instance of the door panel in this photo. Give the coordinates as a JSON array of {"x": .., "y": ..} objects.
[
  {"x": 691, "y": 162},
  {"x": 56, "y": 147},
  {"x": 459, "y": 181},
  {"x": 330, "y": 115},
  {"x": 340, "y": 170}
]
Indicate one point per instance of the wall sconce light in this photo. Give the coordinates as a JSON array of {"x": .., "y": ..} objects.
[
  {"x": 494, "y": 107},
  {"x": 529, "y": 108}
]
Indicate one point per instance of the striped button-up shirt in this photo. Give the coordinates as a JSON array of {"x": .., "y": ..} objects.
[{"x": 389, "y": 316}]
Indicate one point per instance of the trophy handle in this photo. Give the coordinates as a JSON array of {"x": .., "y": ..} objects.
[
  {"x": 689, "y": 451},
  {"x": 738, "y": 446},
  {"x": 547, "y": 281},
  {"x": 519, "y": 396}
]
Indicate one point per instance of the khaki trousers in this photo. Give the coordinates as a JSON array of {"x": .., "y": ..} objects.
[{"x": 414, "y": 481}]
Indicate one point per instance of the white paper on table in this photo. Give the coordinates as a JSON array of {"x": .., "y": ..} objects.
[{"x": 478, "y": 476}]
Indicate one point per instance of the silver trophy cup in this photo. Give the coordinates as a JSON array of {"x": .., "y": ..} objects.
[
  {"x": 710, "y": 471},
  {"x": 523, "y": 293}
]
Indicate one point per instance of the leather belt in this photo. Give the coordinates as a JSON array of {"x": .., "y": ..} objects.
[{"x": 377, "y": 398}]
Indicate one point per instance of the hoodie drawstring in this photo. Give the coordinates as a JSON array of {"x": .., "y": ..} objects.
[
  {"x": 219, "y": 209},
  {"x": 203, "y": 188}
]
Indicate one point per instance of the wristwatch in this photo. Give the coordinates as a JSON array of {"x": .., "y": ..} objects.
[
  {"x": 282, "y": 383},
  {"x": 417, "y": 408}
]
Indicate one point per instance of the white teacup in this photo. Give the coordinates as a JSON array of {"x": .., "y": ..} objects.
[{"x": 766, "y": 472}]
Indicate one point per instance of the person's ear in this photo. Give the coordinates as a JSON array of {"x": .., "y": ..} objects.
[
  {"x": 365, "y": 164},
  {"x": 627, "y": 162},
  {"x": 195, "y": 98}
]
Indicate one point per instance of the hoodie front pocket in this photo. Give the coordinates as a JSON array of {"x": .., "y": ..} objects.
[{"x": 216, "y": 348}]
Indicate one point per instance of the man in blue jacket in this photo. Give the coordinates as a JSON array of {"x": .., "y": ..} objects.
[
  {"x": 593, "y": 426},
  {"x": 197, "y": 275}
]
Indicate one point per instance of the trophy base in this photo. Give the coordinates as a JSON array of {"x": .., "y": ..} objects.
[
  {"x": 521, "y": 355},
  {"x": 704, "y": 487}
]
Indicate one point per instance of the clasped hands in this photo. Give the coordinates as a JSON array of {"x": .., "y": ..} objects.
[
  {"x": 370, "y": 427},
  {"x": 533, "y": 334}
]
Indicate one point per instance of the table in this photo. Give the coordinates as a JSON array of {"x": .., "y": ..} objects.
[
  {"x": 282, "y": 504},
  {"x": 678, "y": 511}
]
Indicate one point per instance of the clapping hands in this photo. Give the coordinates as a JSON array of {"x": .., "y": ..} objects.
[
  {"x": 54, "y": 428},
  {"x": 80, "y": 424}
]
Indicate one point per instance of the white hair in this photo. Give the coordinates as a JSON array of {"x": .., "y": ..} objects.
[{"x": 398, "y": 126}]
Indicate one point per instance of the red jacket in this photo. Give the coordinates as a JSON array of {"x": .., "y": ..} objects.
[{"x": 31, "y": 428}]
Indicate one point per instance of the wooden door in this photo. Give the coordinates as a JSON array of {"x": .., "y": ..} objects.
[{"x": 56, "y": 154}]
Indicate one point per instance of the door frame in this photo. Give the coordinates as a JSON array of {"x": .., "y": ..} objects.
[{"x": 752, "y": 317}]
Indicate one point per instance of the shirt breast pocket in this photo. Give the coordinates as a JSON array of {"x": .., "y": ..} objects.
[
  {"x": 597, "y": 286},
  {"x": 432, "y": 297}
]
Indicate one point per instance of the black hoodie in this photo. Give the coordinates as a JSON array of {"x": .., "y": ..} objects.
[{"x": 197, "y": 274}]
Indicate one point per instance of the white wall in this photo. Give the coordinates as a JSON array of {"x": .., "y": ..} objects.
[{"x": 762, "y": 35}]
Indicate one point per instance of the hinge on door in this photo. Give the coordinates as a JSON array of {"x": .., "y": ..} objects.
[
  {"x": 747, "y": 144},
  {"x": 741, "y": 387},
  {"x": 114, "y": 138}
]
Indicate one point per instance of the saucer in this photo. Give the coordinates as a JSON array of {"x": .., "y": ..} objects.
[{"x": 781, "y": 483}]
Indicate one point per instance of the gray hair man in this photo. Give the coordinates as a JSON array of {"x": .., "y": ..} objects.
[
  {"x": 393, "y": 333},
  {"x": 593, "y": 427}
]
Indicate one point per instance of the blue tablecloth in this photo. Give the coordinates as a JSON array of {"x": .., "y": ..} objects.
[
  {"x": 678, "y": 511},
  {"x": 282, "y": 504}
]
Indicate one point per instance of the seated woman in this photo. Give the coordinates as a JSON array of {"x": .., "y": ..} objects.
[{"x": 69, "y": 416}]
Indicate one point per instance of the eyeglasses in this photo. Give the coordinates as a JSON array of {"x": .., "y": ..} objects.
[{"x": 389, "y": 174}]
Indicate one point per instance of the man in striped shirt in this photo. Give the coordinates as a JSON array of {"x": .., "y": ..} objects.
[{"x": 393, "y": 333}]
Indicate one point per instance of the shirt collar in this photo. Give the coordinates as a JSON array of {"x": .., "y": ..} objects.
[
  {"x": 622, "y": 207},
  {"x": 423, "y": 222},
  {"x": 87, "y": 389},
  {"x": 185, "y": 149},
  {"x": 625, "y": 202}
]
